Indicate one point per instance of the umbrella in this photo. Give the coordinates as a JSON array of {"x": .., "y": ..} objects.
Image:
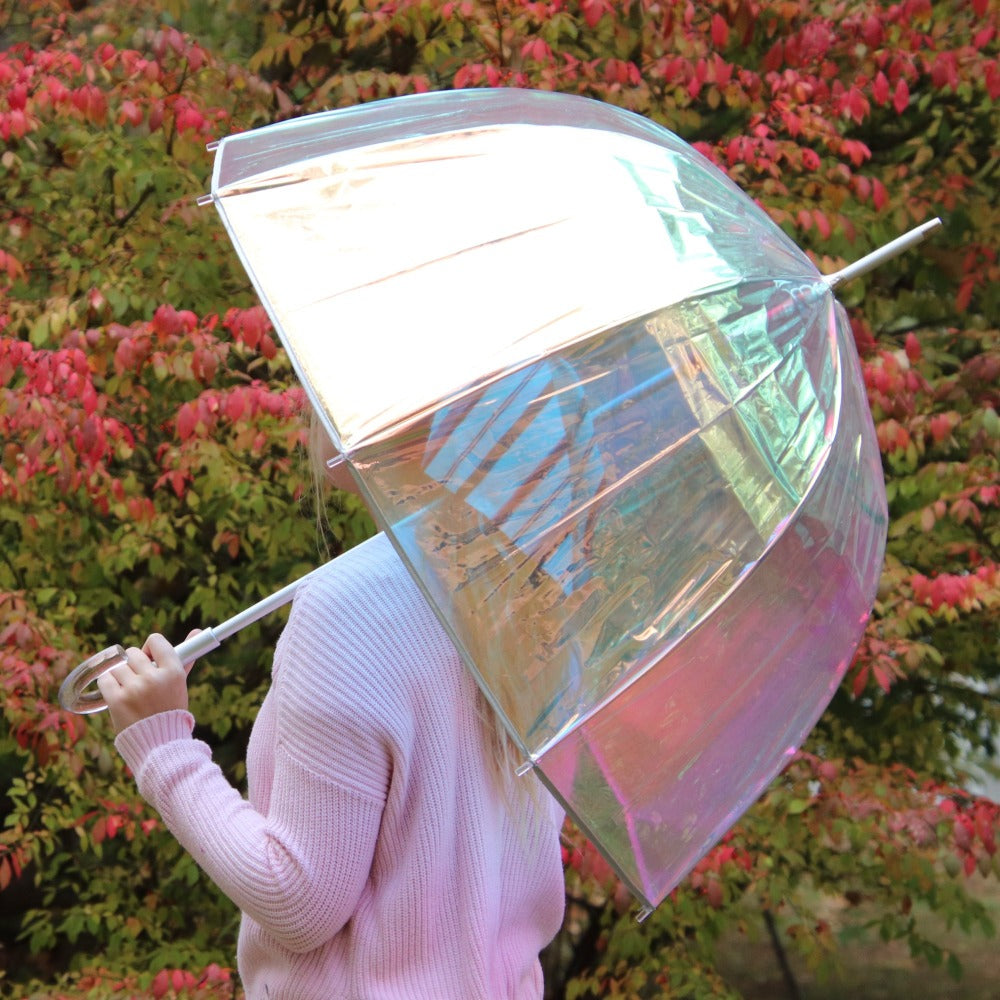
[{"x": 610, "y": 417}]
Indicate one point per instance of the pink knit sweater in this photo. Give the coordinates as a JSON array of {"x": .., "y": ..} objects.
[{"x": 375, "y": 857}]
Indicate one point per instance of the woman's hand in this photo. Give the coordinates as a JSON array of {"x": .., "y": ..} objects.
[{"x": 152, "y": 680}]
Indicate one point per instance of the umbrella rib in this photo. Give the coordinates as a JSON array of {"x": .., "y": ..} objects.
[
  {"x": 608, "y": 698},
  {"x": 643, "y": 467},
  {"x": 430, "y": 263},
  {"x": 304, "y": 173}
]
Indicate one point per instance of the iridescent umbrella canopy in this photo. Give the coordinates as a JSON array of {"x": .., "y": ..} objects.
[{"x": 610, "y": 417}]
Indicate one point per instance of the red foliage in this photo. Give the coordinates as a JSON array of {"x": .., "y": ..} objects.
[
  {"x": 880, "y": 660},
  {"x": 55, "y": 407},
  {"x": 974, "y": 830},
  {"x": 40, "y": 82},
  {"x": 959, "y": 591},
  {"x": 926, "y": 814},
  {"x": 28, "y": 663},
  {"x": 201, "y": 416},
  {"x": 212, "y": 983},
  {"x": 799, "y": 104},
  {"x": 893, "y": 384}
]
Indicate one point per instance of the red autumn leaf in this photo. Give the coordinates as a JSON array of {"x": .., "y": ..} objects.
[
  {"x": 822, "y": 223},
  {"x": 963, "y": 510},
  {"x": 187, "y": 421},
  {"x": 720, "y": 31},
  {"x": 204, "y": 365},
  {"x": 879, "y": 194},
  {"x": 990, "y": 495},
  {"x": 106, "y": 54},
  {"x": 160, "y": 985},
  {"x": 901, "y": 98},
  {"x": 983, "y": 37},
  {"x": 182, "y": 979},
  {"x": 860, "y": 680},
  {"x": 9, "y": 870},
  {"x": 11, "y": 265},
  {"x": 857, "y": 152},
  {"x": 992, "y": 77},
  {"x": 214, "y": 973},
  {"x": 880, "y": 88},
  {"x": 167, "y": 321},
  {"x": 593, "y": 11},
  {"x": 195, "y": 58},
  {"x": 236, "y": 405},
  {"x": 130, "y": 112},
  {"x": 855, "y": 105},
  {"x": 177, "y": 481},
  {"x": 964, "y": 296},
  {"x": 189, "y": 119},
  {"x": 17, "y": 97},
  {"x": 881, "y": 677},
  {"x": 13, "y": 123},
  {"x": 873, "y": 32},
  {"x": 155, "y": 115}
]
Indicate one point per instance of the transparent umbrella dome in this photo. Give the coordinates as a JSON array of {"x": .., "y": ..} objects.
[{"x": 609, "y": 415}]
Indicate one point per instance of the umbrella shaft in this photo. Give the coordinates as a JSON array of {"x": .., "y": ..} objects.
[
  {"x": 882, "y": 254},
  {"x": 212, "y": 637}
]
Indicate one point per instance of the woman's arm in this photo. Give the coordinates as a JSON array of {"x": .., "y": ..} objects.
[{"x": 300, "y": 870}]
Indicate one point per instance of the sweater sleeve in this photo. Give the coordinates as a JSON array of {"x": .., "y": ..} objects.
[{"x": 298, "y": 871}]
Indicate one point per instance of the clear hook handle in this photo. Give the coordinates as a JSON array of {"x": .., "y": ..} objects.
[{"x": 78, "y": 692}]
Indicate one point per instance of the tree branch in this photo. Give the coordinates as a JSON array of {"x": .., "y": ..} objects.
[
  {"x": 130, "y": 214},
  {"x": 794, "y": 993}
]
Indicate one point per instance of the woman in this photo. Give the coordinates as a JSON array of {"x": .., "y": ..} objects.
[{"x": 383, "y": 851}]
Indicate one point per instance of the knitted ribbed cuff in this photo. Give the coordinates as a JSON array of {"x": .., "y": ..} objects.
[{"x": 137, "y": 741}]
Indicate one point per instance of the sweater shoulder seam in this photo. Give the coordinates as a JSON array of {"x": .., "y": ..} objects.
[{"x": 371, "y": 797}]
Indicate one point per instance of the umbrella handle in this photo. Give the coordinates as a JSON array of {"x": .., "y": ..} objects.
[{"x": 78, "y": 692}]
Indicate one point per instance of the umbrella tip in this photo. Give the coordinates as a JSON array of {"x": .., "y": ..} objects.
[{"x": 882, "y": 254}]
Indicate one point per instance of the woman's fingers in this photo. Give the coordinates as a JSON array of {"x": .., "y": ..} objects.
[
  {"x": 150, "y": 681},
  {"x": 127, "y": 675},
  {"x": 109, "y": 685},
  {"x": 109, "y": 677},
  {"x": 190, "y": 663},
  {"x": 161, "y": 651},
  {"x": 136, "y": 661}
]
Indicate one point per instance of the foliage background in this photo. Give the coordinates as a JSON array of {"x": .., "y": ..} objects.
[{"x": 151, "y": 473}]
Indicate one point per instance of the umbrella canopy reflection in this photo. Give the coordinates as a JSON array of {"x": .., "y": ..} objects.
[{"x": 612, "y": 420}]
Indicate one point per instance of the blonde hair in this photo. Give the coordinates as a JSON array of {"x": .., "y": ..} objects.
[{"x": 317, "y": 443}]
